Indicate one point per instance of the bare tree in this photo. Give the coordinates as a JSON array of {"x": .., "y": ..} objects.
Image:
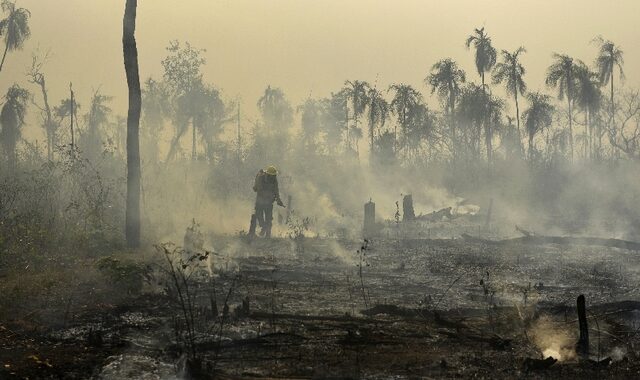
[
  {"x": 130, "y": 53},
  {"x": 36, "y": 76},
  {"x": 625, "y": 136}
]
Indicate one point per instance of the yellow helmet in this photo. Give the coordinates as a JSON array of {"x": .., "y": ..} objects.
[{"x": 271, "y": 170}]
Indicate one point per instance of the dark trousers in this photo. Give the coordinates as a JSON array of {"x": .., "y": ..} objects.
[{"x": 264, "y": 215}]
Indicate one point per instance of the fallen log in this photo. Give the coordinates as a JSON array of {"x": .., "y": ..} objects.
[
  {"x": 559, "y": 240},
  {"x": 436, "y": 216}
]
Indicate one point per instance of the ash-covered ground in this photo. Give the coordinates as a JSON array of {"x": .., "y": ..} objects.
[{"x": 319, "y": 307}]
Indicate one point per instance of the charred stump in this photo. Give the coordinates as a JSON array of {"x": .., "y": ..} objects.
[
  {"x": 369, "y": 219},
  {"x": 408, "y": 213},
  {"x": 582, "y": 347}
]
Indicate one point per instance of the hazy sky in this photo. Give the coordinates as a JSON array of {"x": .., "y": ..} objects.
[{"x": 310, "y": 47}]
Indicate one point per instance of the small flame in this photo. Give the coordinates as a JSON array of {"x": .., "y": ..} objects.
[
  {"x": 551, "y": 340},
  {"x": 552, "y": 352}
]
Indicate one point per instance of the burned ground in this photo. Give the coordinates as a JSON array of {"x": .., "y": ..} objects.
[{"x": 421, "y": 308}]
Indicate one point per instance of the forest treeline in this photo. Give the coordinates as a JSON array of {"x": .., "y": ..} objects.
[{"x": 592, "y": 117}]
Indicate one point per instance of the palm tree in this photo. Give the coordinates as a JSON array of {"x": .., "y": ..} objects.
[
  {"x": 97, "y": 117},
  {"x": 485, "y": 59},
  {"x": 537, "y": 117},
  {"x": 420, "y": 127},
  {"x": 588, "y": 97},
  {"x": 485, "y": 52},
  {"x": 405, "y": 99},
  {"x": 277, "y": 115},
  {"x": 14, "y": 28},
  {"x": 211, "y": 116},
  {"x": 130, "y": 53},
  {"x": 378, "y": 113},
  {"x": 275, "y": 109},
  {"x": 446, "y": 78},
  {"x": 12, "y": 120},
  {"x": 312, "y": 112},
  {"x": 68, "y": 108},
  {"x": 560, "y": 75},
  {"x": 156, "y": 105},
  {"x": 335, "y": 119},
  {"x": 510, "y": 71},
  {"x": 610, "y": 56},
  {"x": 385, "y": 155},
  {"x": 472, "y": 117},
  {"x": 156, "y": 108},
  {"x": 357, "y": 92}
]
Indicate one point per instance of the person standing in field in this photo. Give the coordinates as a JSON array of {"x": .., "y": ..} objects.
[{"x": 267, "y": 192}]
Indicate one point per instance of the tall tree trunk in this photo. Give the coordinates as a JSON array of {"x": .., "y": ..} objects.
[
  {"x": 569, "y": 99},
  {"x": 518, "y": 124},
  {"x": 612, "y": 104},
  {"x": 395, "y": 138},
  {"x": 130, "y": 53},
  {"x": 10, "y": 145},
  {"x": 371, "y": 126},
  {"x": 452, "y": 109},
  {"x": 485, "y": 121},
  {"x": 371, "y": 137},
  {"x": 587, "y": 144},
  {"x": 347, "y": 124},
  {"x": 71, "y": 117},
  {"x": 49, "y": 119},
  {"x": 239, "y": 142},
  {"x": 4, "y": 56},
  {"x": 570, "y": 127},
  {"x": 589, "y": 134},
  {"x": 193, "y": 138},
  {"x": 403, "y": 125}
]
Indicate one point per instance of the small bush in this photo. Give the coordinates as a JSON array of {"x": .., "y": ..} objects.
[{"x": 128, "y": 276}]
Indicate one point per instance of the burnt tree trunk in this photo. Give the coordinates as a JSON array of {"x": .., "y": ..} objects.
[
  {"x": 518, "y": 123},
  {"x": 582, "y": 348},
  {"x": 71, "y": 117},
  {"x": 130, "y": 53},
  {"x": 408, "y": 213},
  {"x": 38, "y": 78},
  {"x": 193, "y": 139},
  {"x": 369, "y": 219}
]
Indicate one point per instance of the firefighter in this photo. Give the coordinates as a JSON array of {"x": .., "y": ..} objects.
[{"x": 266, "y": 188}]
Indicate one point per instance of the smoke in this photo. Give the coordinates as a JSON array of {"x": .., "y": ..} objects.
[
  {"x": 347, "y": 257},
  {"x": 330, "y": 190},
  {"x": 618, "y": 353},
  {"x": 552, "y": 340}
]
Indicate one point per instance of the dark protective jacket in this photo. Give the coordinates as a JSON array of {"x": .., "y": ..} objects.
[{"x": 266, "y": 188}]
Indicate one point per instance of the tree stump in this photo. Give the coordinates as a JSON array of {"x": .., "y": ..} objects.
[
  {"x": 408, "y": 213},
  {"x": 582, "y": 347},
  {"x": 369, "y": 219}
]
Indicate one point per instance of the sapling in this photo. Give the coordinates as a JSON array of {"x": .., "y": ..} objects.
[
  {"x": 179, "y": 270},
  {"x": 362, "y": 261}
]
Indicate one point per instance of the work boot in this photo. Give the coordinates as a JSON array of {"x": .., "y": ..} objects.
[{"x": 262, "y": 231}]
